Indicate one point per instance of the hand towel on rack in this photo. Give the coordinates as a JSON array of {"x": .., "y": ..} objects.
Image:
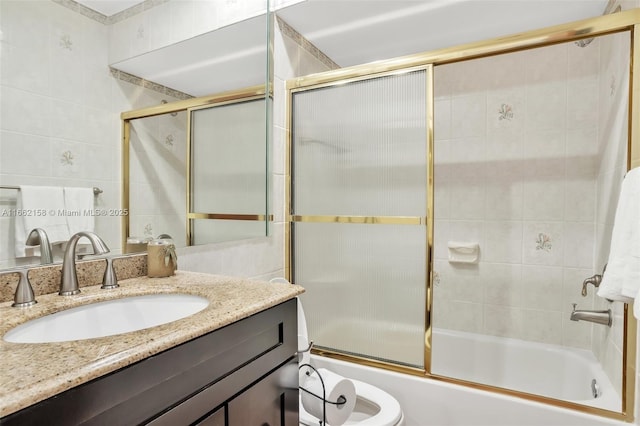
[
  {"x": 79, "y": 203},
  {"x": 621, "y": 280},
  {"x": 43, "y": 207}
]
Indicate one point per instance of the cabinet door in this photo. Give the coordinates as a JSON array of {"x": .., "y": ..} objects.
[
  {"x": 214, "y": 419},
  {"x": 273, "y": 401}
]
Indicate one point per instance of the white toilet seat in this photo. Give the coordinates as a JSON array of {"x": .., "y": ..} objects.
[{"x": 389, "y": 414}]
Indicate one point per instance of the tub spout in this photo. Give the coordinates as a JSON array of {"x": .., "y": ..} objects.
[{"x": 598, "y": 317}]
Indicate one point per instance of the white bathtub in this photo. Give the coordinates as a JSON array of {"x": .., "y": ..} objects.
[
  {"x": 542, "y": 369},
  {"x": 428, "y": 402}
]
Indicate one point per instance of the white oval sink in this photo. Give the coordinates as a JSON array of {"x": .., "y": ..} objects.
[{"x": 107, "y": 318}]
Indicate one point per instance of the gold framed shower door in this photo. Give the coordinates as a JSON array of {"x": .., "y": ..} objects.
[{"x": 628, "y": 21}]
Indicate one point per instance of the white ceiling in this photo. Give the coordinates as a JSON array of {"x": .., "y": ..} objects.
[
  {"x": 350, "y": 32},
  {"x": 353, "y": 32},
  {"x": 109, "y": 7}
]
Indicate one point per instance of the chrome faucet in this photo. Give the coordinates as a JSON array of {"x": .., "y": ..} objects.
[
  {"x": 38, "y": 236},
  {"x": 69, "y": 279},
  {"x": 599, "y": 317}
]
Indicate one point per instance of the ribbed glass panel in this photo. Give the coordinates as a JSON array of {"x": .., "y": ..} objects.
[
  {"x": 365, "y": 288},
  {"x": 359, "y": 149},
  {"x": 228, "y": 167}
]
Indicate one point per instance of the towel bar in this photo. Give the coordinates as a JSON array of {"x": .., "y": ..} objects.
[{"x": 96, "y": 190}]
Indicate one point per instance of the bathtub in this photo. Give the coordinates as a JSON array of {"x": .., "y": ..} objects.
[
  {"x": 432, "y": 402},
  {"x": 542, "y": 369}
]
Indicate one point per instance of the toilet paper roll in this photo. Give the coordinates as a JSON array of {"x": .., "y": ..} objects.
[{"x": 335, "y": 386}]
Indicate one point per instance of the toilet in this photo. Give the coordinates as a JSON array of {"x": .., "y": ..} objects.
[{"x": 374, "y": 407}]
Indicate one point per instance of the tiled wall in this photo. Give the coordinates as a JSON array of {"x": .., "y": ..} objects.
[
  {"x": 59, "y": 112},
  {"x": 515, "y": 172},
  {"x": 526, "y": 167}
]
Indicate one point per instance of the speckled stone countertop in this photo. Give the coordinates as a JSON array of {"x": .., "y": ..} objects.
[{"x": 30, "y": 373}]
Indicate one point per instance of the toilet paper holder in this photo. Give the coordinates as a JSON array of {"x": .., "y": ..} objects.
[
  {"x": 341, "y": 399},
  {"x": 306, "y": 350}
]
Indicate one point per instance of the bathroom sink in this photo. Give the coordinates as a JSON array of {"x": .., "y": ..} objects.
[{"x": 107, "y": 318}]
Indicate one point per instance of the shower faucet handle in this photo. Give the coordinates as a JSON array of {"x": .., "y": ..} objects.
[{"x": 595, "y": 280}]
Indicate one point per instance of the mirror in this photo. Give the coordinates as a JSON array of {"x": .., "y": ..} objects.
[
  {"x": 197, "y": 170},
  {"x": 61, "y": 98},
  {"x": 228, "y": 176}
]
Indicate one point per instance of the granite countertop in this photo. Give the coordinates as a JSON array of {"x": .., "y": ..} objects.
[{"x": 32, "y": 372}]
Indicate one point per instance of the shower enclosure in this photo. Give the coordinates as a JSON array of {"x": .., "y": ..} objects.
[{"x": 446, "y": 208}]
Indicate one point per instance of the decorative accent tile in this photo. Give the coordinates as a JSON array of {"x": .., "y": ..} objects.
[
  {"x": 148, "y": 230},
  {"x": 132, "y": 79},
  {"x": 65, "y": 42},
  {"x": 612, "y": 86},
  {"x": 108, "y": 20},
  {"x": 543, "y": 242},
  {"x": 168, "y": 141},
  {"x": 294, "y": 35},
  {"x": 67, "y": 158},
  {"x": 505, "y": 112},
  {"x": 436, "y": 278},
  {"x": 584, "y": 42},
  {"x": 140, "y": 34}
]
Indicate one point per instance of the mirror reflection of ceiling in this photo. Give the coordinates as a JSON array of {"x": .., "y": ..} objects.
[{"x": 353, "y": 32}]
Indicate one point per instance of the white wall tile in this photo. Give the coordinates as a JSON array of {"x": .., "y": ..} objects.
[
  {"x": 469, "y": 115},
  {"x": 502, "y": 242},
  {"x": 579, "y": 244},
  {"x": 544, "y": 199},
  {"x": 502, "y": 284},
  {"x": 542, "y": 288},
  {"x": 504, "y": 198},
  {"x": 546, "y": 106},
  {"x": 458, "y": 315},
  {"x": 467, "y": 156},
  {"x": 24, "y": 154},
  {"x": 442, "y": 118},
  {"x": 466, "y": 200},
  {"x": 503, "y": 321},
  {"x": 542, "y": 326}
]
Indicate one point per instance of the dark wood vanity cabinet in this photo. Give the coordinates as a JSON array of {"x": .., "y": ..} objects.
[{"x": 244, "y": 374}]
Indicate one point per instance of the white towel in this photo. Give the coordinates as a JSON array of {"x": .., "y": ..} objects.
[
  {"x": 621, "y": 280},
  {"x": 40, "y": 207},
  {"x": 79, "y": 204}
]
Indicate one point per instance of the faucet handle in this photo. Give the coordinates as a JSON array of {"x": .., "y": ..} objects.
[
  {"x": 574, "y": 306},
  {"x": 595, "y": 280},
  {"x": 23, "y": 296},
  {"x": 109, "y": 279}
]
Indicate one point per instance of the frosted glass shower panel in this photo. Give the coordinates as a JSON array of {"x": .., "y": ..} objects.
[
  {"x": 360, "y": 148},
  {"x": 365, "y": 291},
  {"x": 229, "y": 170}
]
